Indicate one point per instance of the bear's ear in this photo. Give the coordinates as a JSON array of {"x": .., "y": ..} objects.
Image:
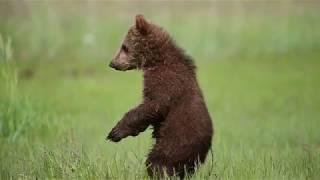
[{"x": 141, "y": 24}]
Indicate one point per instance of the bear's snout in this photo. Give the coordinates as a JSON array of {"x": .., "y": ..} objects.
[{"x": 112, "y": 65}]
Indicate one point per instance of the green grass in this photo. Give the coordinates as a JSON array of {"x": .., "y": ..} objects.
[
  {"x": 265, "y": 113},
  {"x": 260, "y": 78}
]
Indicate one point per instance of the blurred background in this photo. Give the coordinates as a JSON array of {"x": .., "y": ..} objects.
[
  {"x": 89, "y": 29},
  {"x": 258, "y": 66}
]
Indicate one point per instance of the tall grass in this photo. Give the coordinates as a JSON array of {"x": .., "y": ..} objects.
[
  {"x": 18, "y": 115},
  {"x": 8, "y": 125}
]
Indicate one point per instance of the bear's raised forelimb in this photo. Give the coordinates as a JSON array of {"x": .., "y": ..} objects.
[{"x": 136, "y": 120}]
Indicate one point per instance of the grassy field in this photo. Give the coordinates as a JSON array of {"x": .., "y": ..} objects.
[{"x": 260, "y": 78}]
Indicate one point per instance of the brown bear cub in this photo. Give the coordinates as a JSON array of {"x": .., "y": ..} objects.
[{"x": 172, "y": 101}]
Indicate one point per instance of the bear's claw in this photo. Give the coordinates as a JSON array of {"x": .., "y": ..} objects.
[{"x": 115, "y": 135}]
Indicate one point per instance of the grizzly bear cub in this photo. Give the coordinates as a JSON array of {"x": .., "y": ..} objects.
[{"x": 172, "y": 101}]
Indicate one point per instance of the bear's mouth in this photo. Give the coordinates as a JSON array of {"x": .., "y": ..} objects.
[
  {"x": 122, "y": 68},
  {"x": 130, "y": 68}
]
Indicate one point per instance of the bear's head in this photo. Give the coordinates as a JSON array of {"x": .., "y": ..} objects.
[{"x": 142, "y": 46}]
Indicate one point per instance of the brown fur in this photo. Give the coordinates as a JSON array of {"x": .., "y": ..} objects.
[{"x": 172, "y": 101}]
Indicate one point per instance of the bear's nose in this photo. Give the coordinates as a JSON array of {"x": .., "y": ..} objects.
[
  {"x": 114, "y": 66},
  {"x": 111, "y": 65}
]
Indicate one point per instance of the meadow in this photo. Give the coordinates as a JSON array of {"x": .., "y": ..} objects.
[{"x": 259, "y": 73}]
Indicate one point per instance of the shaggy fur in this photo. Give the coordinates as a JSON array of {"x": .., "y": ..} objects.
[{"x": 172, "y": 101}]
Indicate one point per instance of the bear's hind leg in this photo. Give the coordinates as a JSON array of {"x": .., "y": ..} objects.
[
  {"x": 159, "y": 171},
  {"x": 158, "y": 166}
]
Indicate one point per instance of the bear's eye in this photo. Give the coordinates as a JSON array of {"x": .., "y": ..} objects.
[{"x": 124, "y": 48}]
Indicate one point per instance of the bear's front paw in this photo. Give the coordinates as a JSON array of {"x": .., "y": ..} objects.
[{"x": 116, "y": 135}]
